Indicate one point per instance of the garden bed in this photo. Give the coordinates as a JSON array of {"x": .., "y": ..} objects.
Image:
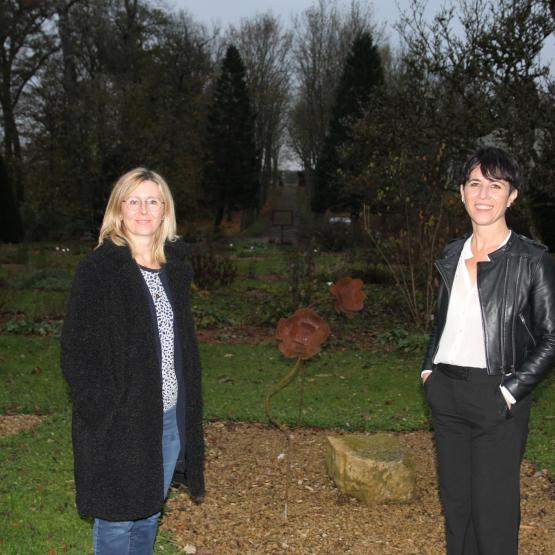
[{"x": 243, "y": 509}]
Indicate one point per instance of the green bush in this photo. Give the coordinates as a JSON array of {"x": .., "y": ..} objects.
[
  {"x": 212, "y": 271},
  {"x": 14, "y": 254},
  {"x": 399, "y": 338},
  {"x": 374, "y": 273},
  {"x": 333, "y": 237},
  {"x": 50, "y": 279},
  {"x": 17, "y": 326},
  {"x": 207, "y": 317}
]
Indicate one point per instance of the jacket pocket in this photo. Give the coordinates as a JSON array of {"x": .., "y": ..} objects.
[{"x": 527, "y": 329}]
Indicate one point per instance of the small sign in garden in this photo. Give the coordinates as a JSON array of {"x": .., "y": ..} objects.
[{"x": 282, "y": 219}]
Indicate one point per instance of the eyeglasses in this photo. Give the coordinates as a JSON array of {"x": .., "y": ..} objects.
[{"x": 152, "y": 204}]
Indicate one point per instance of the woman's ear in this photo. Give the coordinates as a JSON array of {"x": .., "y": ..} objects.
[{"x": 512, "y": 197}]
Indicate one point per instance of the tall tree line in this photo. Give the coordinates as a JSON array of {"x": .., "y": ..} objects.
[{"x": 91, "y": 88}]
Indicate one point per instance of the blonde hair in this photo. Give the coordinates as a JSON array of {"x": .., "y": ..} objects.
[{"x": 112, "y": 224}]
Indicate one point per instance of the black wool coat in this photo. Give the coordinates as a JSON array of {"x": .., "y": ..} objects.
[{"x": 109, "y": 357}]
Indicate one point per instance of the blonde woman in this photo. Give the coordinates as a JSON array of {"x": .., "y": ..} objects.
[{"x": 130, "y": 356}]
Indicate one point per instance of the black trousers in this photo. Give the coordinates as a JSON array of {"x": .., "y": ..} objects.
[{"x": 479, "y": 452}]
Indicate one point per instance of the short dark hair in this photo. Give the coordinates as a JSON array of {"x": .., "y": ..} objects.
[{"x": 495, "y": 163}]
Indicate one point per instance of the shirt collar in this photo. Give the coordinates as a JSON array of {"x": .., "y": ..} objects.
[{"x": 467, "y": 251}]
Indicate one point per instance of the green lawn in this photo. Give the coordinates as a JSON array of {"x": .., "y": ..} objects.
[
  {"x": 37, "y": 509},
  {"x": 345, "y": 387},
  {"x": 348, "y": 389}
]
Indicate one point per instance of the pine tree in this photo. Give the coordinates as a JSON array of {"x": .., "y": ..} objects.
[
  {"x": 362, "y": 76},
  {"x": 231, "y": 169}
]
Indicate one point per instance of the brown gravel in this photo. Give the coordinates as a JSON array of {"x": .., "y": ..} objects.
[
  {"x": 12, "y": 423},
  {"x": 243, "y": 509}
]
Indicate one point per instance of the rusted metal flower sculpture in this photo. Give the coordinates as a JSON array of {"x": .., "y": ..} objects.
[
  {"x": 302, "y": 334},
  {"x": 349, "y": 295}
]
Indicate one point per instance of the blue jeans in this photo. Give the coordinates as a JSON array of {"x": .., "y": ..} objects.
[{"x": 136, "y": 537}]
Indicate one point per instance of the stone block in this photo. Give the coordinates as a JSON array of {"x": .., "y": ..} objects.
[{"x": 373, "y": 468}]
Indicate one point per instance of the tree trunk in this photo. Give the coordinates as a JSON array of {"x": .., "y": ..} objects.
[
  {"x": 11, "y": 227},
  {"x": 12, "y": 146},
  {"x": 219, "y": 217}
]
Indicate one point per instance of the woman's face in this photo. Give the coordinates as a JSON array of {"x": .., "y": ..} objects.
[
  {"x": 142, "y": 211},
  {"x": 485, "y": 200}
]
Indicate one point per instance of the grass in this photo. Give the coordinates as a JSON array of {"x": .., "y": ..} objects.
[
  {"x": 37, "y": 500},
  {"x": 345, "y": 387},
  {"x": 353, "y": 390},
  {"x": 33, "y": 303},
  {"x": 348, "y": 389},
  {"x": 37, "y": 509},
  {"x": 30, "y": 378}
]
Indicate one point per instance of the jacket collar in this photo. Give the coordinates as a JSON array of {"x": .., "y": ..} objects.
[
  {"x": 505, "y": 248},
  {"x": 454, "y": 248},
  {"x": 176, "y": 251},
  {"x": 449, "y": 259}
]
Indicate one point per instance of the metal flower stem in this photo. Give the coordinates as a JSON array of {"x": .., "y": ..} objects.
[
  {"x": 286, "y": 380},
  {"x": 301, "y": 397}
]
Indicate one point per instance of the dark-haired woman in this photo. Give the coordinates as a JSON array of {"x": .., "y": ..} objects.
[
  {"x": 129, "y": 354},
  {"x": 493, "y": 341}
]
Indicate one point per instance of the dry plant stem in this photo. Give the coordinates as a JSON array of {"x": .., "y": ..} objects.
[
  {"x": 407, "y": 283},
  {"x": 394, "y": 273}
]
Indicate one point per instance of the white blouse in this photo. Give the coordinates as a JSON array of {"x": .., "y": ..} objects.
[{"x": 462, "y": 341}]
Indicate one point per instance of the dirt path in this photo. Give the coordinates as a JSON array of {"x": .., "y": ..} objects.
[{"x": 242, "y": 513}]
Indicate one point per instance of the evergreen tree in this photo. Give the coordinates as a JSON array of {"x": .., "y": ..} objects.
[
  {"x": 231, "y": 169},
  {"x": 362, "y": 76}
]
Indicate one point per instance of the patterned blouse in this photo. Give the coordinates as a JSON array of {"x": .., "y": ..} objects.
[{"x": 164, "y": 316}]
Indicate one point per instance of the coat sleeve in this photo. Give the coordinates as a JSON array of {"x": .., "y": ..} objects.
[
  {"x": 541, "y": 359},
  {"x": 83, "y": 351},
  {"x": 433, "y": 341}
]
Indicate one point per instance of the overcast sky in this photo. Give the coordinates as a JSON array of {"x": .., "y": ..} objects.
[{"x": 225, "y": 12}]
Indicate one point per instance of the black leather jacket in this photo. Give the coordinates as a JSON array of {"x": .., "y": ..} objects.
[{"x": 517, "y": 298}]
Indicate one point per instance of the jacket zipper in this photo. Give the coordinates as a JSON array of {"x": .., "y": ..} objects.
[
  {"x": 482, "y": 313},
  {"x": 503, "y": 314},
  {"x": 513, "y": 367}
]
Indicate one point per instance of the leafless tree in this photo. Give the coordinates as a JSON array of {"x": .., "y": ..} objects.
[
  {"x": 323, "y": 35},
  {"x": 265, "y": 49},
  {"x": 486, "y": 55}
]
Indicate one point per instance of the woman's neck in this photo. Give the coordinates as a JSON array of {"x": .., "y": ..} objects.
[
  {"x": 142, "y": 253},
  {"x": 486, "y": 240}
]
